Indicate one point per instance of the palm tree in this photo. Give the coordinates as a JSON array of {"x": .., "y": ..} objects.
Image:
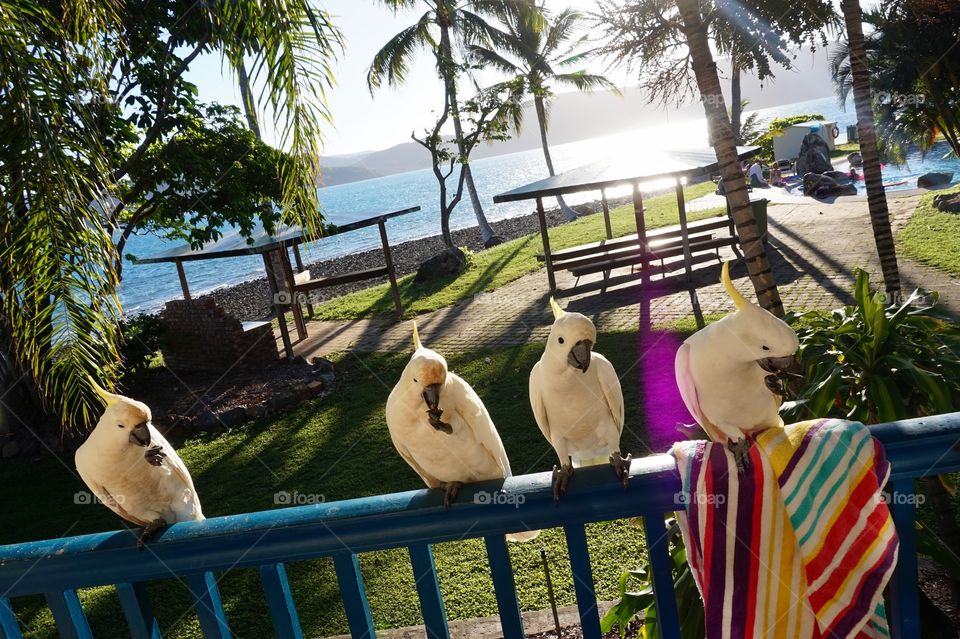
[
  {"x": 867, "y": 131},
  {"x": 71, "y": 151},
  {"x": 536, "y": 48},
  {"x": 725, "y": 145},
  {"x": 456, "y": 23}
]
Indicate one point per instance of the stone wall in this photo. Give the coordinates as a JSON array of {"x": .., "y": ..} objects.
[{"x": 199, "y": 335}]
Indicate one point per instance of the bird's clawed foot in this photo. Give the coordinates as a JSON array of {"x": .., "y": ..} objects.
[
  {"x": 775, "y": 384},
  {"x": 154, "y": 456},
  {"x": 149, "y": 531},
  {"x": 741, "y": 453},
  {"x": 450, "y": 491},
  {"x": 561, "y": 475},
  {"x": 621, "y": 467}
]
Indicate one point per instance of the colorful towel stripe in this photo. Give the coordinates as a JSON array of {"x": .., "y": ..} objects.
[{"x": 800, "y": 546}]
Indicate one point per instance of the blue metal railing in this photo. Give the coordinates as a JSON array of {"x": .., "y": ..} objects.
[{"x": 415, "y": 520}]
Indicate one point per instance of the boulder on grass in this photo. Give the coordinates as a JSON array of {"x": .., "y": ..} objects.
[
  {"x": 928, "y": 180},
  {"x": 445, "y": 264},
  {"x": 814, "y": 155},
  {"x": 949, "y": 202}
]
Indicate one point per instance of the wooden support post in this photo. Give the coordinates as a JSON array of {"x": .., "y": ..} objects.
[
  {"x": 183, "y": 280},
  {"x": 391, "y": 273},
  {"x": 277, "y": 305},
  {"x": 294, "y": 302},
  {"x": 301, "y": 269},
  {"x": 606, "y": 213},
  {"x": 547, "y": 260},
  {"x": 687, "y": 257},
  {"x": 641, "y": 230}
]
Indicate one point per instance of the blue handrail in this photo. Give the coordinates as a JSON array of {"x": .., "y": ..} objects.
[{"x": 416, "y": 520}]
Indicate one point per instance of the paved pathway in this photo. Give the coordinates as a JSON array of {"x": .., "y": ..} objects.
[{"x": 813, "y": 250}]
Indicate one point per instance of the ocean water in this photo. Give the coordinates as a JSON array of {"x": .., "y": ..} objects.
[{"x": 146, "y": 287}]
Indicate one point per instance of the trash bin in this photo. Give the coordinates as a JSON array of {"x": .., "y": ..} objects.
[
  {"x": 760, "y": 215},
  {"x": 852, "y": 134}
]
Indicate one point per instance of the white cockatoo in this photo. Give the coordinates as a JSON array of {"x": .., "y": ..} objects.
[
  {"x": 134, "y": 471},
  {"x": 577, "y": 401},
  {"x": 441, "y": 428},
  {"x": 729, "y": 372}
]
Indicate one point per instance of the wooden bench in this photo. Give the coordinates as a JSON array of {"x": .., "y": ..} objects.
[{"x": 662, "y": 244}]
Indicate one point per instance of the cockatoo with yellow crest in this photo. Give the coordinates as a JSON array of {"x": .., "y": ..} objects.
[
  {"x": 729, "y": 372},
  {"x": 577, "y": 400},
  {"x": 441, "y": 428},
  {"x": 133, "y": 470}
]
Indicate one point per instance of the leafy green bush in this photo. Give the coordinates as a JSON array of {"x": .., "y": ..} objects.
[
  {"x": 640, "y": 599},
  {"x": 874, "y": 363},
  {"x": 141, "y": 342},
  {"x": 775, "y": 129}
]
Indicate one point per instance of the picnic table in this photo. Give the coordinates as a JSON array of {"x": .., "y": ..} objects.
[{"x": 288, "y": 289}]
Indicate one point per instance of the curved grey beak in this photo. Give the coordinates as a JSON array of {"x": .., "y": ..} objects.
[
  {"x": 431, "y": 396},
  {"x": 781, "y": 366},
  {"x": 140, "y": 435},
  {"x": 579, "y": 356}
]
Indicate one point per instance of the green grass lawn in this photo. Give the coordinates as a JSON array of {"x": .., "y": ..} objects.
[
  {"x": 932, "y": 236},
  {"x": 339, "y": 447},
  {"x": 500, "y": 265}
]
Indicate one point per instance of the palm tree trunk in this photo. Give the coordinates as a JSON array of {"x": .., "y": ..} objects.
[
  {"x": 736, "y": 102},
  {"x": 721, "y": 136},
  {"x": 246, "y": 97},
  {"x": 872, "y": 176},
  {"x": 450, "y": 85},
  {"x": 568, "y": 213}
]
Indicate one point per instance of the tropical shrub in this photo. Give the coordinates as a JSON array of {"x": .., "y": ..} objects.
[
  {"x": 636, "y": 596},
  {"x": 141, "y": 342}
]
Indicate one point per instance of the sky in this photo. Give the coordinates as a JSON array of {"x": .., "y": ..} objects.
[{"x": 361, "y": 122}]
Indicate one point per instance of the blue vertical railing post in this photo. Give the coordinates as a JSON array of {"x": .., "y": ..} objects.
[
  {"x": 354, "y": 596},
  {"x": 511, "y": 623},
  {"x": 428, "y": 588},
  {"x": 583, "y": 580},
  {"x": 276, "y": 589},
  {"x": 136, "y": 610},
  {"x": 661, "y": 568},
  {"x": 209, "y": 607},
  {"x": 904, "y": 594},
  {"x": 68, "y": 613},
  {"x": 9, "y": 628}
]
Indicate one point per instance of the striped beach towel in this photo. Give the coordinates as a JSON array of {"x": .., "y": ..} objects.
[{"x": 801, "y": 545}]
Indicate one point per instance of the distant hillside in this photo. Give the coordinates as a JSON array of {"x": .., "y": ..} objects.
[
  {"x": 333, "y": 175},
  {"x": 579, "y": 116}
]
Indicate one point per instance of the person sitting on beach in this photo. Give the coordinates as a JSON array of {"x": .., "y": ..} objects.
[
  {"x": 854, "y": 176},
  {"x": 756, "y": 175},
  {"x": 776, "y": 177}
]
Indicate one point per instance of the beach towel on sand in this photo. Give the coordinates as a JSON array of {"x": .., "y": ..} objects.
[{"x": 799, "y": 546}]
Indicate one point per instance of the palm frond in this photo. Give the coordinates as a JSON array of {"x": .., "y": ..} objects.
[{"x": 392, "y": 61}]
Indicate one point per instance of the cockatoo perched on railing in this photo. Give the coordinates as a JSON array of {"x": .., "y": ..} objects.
[
  {"x": 729, "y": 373},
  {"x": 129, "y": 466},
  {"x": 577, "y": 401},
  {"x": 441, "y": 428}
]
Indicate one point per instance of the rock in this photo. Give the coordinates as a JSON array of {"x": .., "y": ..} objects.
[
  {"x": 949, "y": 202},
  {"x": 280, "y": 401},
  {"x": 316, "y": 386},
  {"x": 493, "y": 241},
  {"x": 256, "y": 411},
  {"x": 300, "y": 360},
  {"x": 322, "y": 366},
  {"x": 206, "y": 419},
  {"x": 817, "y": 185},
  {"x": 234, "y": 417},
  {"x": 814, "y": 155},
  {"x": 443, "y": 264},
  {"x": 855, "y": 159},
  {"x": 10, "y": 449},
  {"x": 838, "y": 176},
  {"x": 928, "y": 180}
]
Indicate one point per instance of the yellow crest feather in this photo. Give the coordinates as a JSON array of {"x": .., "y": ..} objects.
[
  {"x": 557, "y": 311},
  {"x": 416, "y": 336},
  {"x": 738, "y": 300},
  {"x": 107, "y": 397}
]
